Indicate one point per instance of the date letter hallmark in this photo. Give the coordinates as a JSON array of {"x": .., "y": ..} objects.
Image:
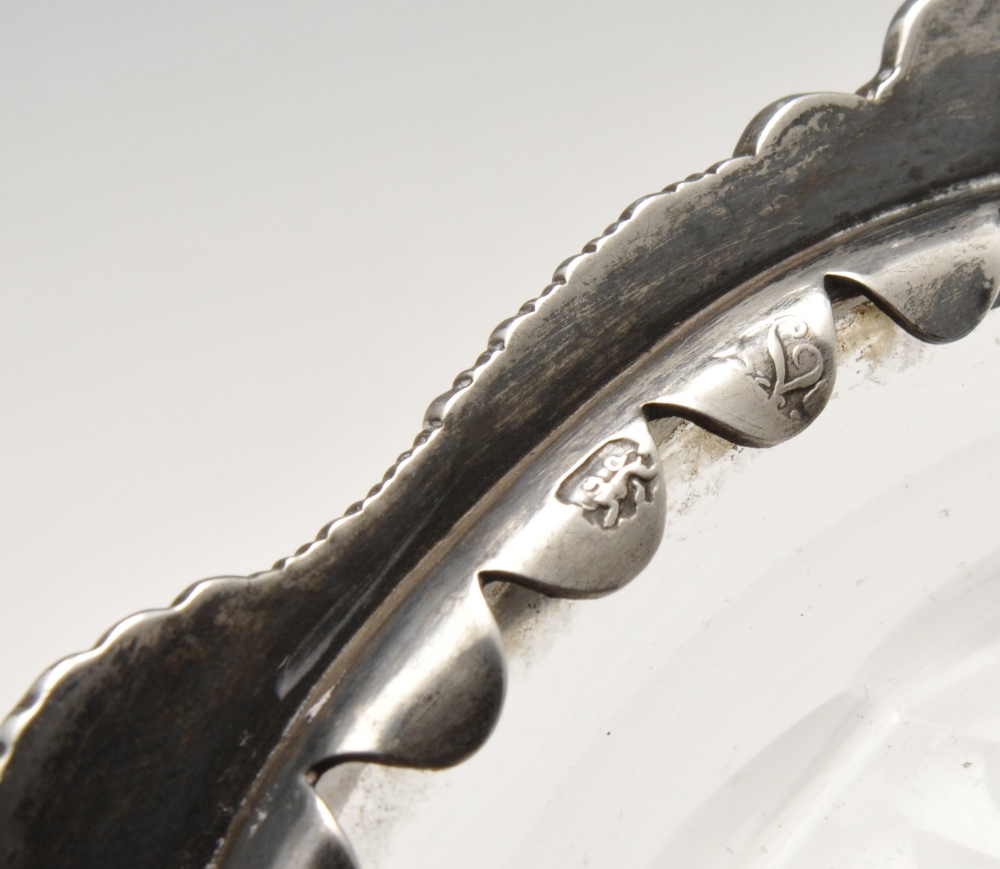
[
  {"x": 611, "y": 483},
  {"x": 796, "y": 365}
]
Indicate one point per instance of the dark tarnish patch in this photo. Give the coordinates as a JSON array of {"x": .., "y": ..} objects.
[{"x": 936, "y": 275}]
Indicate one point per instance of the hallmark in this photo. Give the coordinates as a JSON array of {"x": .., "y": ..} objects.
[
  {"x": 796, "y": 365},
  {"x": 611, "y": 483}
]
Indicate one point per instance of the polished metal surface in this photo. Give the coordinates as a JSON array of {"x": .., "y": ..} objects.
[{"x": 710, "y": 301}]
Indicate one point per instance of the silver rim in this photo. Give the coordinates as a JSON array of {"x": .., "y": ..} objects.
[{"x": 390, "y": 653}]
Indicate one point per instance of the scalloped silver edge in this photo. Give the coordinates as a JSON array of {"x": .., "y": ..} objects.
[
  {"x": 762, "y": 135},
  {"x": 755, "y": 141}
]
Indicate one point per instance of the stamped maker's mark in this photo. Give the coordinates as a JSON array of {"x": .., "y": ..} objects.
[
  {"x": 796, "y": 365},
  {"x": 611, "y": 483}
]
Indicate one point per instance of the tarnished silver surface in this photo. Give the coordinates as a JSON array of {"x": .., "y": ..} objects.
[
  {"x": 710, "y": 301},
  {"x": 935, "y": 275}
]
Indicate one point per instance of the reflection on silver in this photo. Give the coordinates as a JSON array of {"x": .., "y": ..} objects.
[{"x": 710, "y": 301}]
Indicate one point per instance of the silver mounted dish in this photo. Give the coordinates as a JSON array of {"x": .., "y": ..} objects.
[{"x": 713, "y": 302}]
